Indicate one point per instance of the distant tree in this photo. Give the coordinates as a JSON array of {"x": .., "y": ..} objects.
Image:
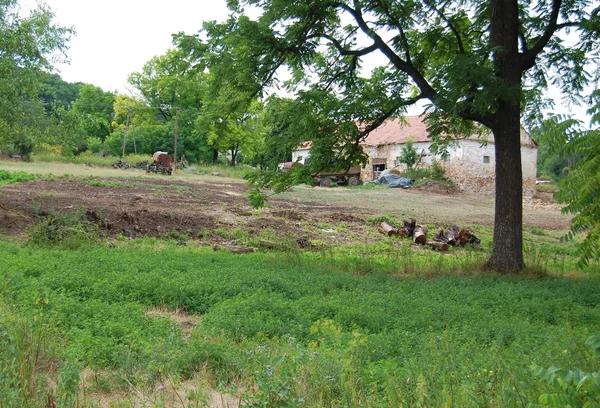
[
  {"x": 28, "y": 45},
  {"x": 56, "y": 92},
  {"x": 173, "y": 81},
  {"x": 95, "y": 109}
]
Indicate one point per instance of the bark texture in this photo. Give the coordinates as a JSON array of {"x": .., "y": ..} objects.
[{"x": 507, "y": 250}]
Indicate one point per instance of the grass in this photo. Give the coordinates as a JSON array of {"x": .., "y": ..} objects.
[
  {"x": 218, "y": 173},
  {"x": 284, "y": 329},
  {"x": 8, "y": 177},
  {"x": 366, "y": 324}
]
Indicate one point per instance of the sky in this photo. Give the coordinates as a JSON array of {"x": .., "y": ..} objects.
[{"x": 115, "y": 38}]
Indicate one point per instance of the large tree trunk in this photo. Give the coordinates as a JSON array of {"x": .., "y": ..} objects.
[{"x": 507, "y": 250}]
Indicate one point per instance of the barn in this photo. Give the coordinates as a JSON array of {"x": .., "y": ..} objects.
[{"x": 470, "y": 162}]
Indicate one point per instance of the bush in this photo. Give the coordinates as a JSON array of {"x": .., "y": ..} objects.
[
  {"x": 65, "y": 230},
  {"x": 11, "y": 177},
  {"x": 422, "y": 175}
]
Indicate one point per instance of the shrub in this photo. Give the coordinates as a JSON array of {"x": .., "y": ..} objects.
[
  {"x": 71, "y": 230},
  {"x": 11, "y": 177}
]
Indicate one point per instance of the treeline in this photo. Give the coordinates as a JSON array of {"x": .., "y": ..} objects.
[
  {"x": 68, "y": 119},
  {"x": 40, "y": 113}
]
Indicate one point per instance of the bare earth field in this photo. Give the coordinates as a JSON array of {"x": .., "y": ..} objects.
[{"x": 133, "y": 204}]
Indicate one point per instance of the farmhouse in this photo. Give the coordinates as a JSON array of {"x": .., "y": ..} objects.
[{"x": 470, "y": 162}]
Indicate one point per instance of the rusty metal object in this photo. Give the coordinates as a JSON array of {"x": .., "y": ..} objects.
[{"x": 161, "y": 163}]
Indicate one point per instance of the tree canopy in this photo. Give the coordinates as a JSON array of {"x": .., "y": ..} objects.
[
  {"x": 29, "y": 46},
  {"x": 483, "y": 61}
]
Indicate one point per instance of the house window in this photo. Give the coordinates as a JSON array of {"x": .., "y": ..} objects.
[
  {"x": 486, "y": 159},
  {"x": 300, "y": 159}
]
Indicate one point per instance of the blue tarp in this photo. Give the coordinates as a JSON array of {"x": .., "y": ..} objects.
[{"x": 393, "y": 180}]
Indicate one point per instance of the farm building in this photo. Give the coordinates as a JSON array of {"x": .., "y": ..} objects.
[{"x": 469, "y": 164}]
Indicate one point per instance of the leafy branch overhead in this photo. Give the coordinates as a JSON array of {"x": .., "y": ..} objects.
[
  {"x": 352, "y": 64},
  {"x": 580, "y": 188}
]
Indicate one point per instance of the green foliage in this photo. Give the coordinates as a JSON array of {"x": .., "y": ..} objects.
[
  {"x": 29, "y": 46},
  {"x": 536, "y": 230},
  {"x": 462, "y": 58},
  {"x": 94, "y": 107},
  {"x": 572, "y": 388},
  {"x": 293, "y": 330},
  {"x": 68, "y": 230},
  {"x": 408, "y": 155},
  {"x": 423, "y": 175},
  {"x": 26, "y": 345},
  {"x": 579, "y": 190},
  {"x": 10, "y": 177}
]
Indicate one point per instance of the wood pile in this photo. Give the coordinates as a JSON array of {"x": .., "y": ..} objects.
[{"x": 442, "y": 239}]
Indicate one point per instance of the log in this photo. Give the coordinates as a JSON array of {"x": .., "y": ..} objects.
[
  {"x": 403, "y": 232},
  {"x": 467, "y": 237},
  {"x": 438, "y": 245},
  {"x": 387, "y": 229},
  {"x": 440, "y": 236},
  {"x": 408, "y": 229},
  {"x": 452, "y": 234},
  {"x": 420, "y": 235}
]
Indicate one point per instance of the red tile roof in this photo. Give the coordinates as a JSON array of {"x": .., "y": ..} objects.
[
  {"x": 400, "y": 131},
  {"x": 397, "y": 131}
]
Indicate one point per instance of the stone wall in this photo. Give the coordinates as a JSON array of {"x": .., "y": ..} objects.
[
  {"x": 300, "y": 155},
  {"x": 469, "y": 165}
]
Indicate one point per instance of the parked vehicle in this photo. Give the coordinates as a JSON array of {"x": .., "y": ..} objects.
[{"x": 350, "y": 177}]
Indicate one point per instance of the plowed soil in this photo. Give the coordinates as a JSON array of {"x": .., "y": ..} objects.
[{"x": 215, "y": 212}]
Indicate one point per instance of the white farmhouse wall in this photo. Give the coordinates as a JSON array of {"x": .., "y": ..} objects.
[
  {"x": 300, "y": 155},
  {"x": 469, "y": 165},
  {"x": 474, "y": 169}
]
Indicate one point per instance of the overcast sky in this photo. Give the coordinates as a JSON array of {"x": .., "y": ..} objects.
[{"x": 117, "y": 37}]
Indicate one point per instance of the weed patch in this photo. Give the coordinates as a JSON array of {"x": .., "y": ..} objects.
[
  {"x": 68, "y": 230},
  {"x": 11, "y": 177}
]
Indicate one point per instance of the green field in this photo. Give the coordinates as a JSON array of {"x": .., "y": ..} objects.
[
  {"x": 87, "y": 321},
  {"x": 279, "y": 329}
]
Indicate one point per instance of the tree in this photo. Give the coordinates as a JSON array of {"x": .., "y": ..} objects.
[
  {"x": 56, "y": 92},
  {"x": 408, "y": 155},
  {"x": 27, "y": 47},
  {"x": 579, "y": 189},
  {"x": 173, "y": 81},
  {"x": 483, "y": 61},
  {"x": 95, "y": 108}
]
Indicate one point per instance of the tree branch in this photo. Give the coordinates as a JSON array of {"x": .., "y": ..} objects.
[
  {"x": 426, "y": 90},
  {"x": 344, "y": 51},
  {"x": 528, "y": 57},
  {"x": 459, "y": 41},
  {"x": 401, "y": 30},
  {"x": 385, "y": 115}
]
